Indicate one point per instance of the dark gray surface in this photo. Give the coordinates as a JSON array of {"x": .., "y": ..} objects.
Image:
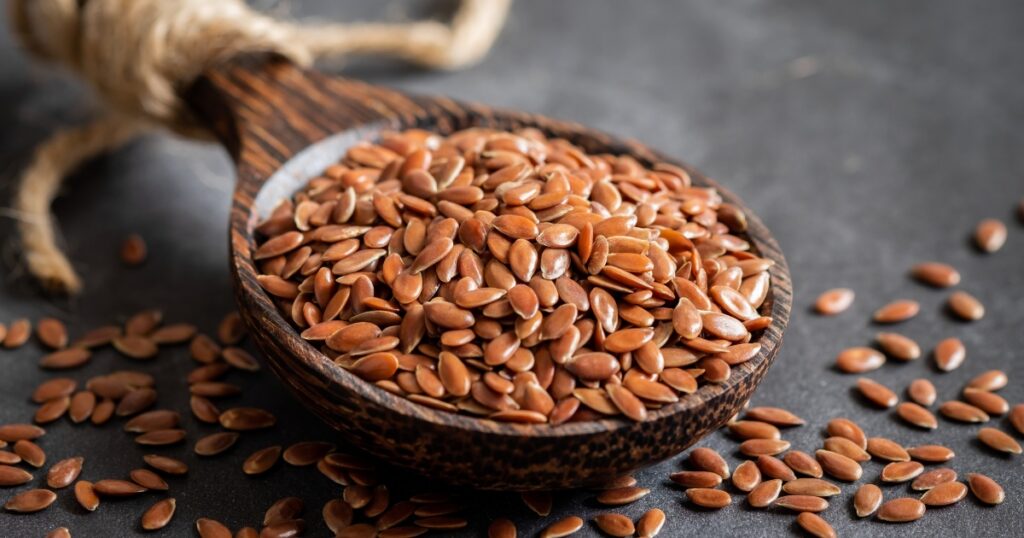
[{"x": 867, "y": 135}]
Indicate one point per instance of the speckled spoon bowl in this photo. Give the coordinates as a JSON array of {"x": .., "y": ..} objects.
[{"x": 284, "y": 125}]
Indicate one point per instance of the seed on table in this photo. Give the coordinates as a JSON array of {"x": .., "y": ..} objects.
[
  {"x": 52, "y": 410},
  {"x": 936, "y": 274},
  {"x": 16, "y": 432},
  {"x": 916, "y": 415},
  {"x": 135, "y": 346},
  {"x": 650, "y": 524},
  {"x": 897, "y": 311},
  {"x": 160, "y": 419},
  {"x": 846, "y": 447},
  {"x": 52, "y": 333},
  {"x": 999, "y": 441},
  {"x": 945, "y": 494},
  {"x": 901, "y": 510},
  {"x": 562, "y": 527},
  {"x": 166, "y": 464},
  {"x": 1017, "y": 418},
  {"x": 985, "y": 489},
  {"x": 834, "y": 301},
  {"x": 214, "y": 389},
  {"x": 621, "y": 496},
  {"x": 247, "y": 419},
  {"x": 990, "y": 235},
  {"x": 86, "y": 496},
  {"x": 696, "y": 479},
  {"x": 338, "y": 514},
  {"x": 54, "y": 388},
  {"x": 615, "y": 525},
  {"x": 59, "y": 532},
  {"x": 765, "y": 493},
  {"x": 135, "y": 401},
  {"x": 215, "y": 443},
  {"x": 231, "y": 330},
  {"x": 209, "y": 528},
  {"x": 901, "y": 471},
  {"x": 148, "y": 479},
  {"x": 64, "y": 472},
  {"x": 262, "y": 460},
  {"x": 898, "y": 346},
  {"x": 931, "y": 453},
  {"x": 707, "y": 459},
  {"x": 802, "y": 503},
  {"x": 950, "y": 354},
  {"x": 753, "y": 429},
  {"x": 965, "y": 306},
  {"x": 815, "y": 525},
  {"x": 306, "y": 453},
  {"x": 802, "y": 463},
  {"x": 886, "y": 449},
  {"x": 774, "y": 415},
  {"x": 746, "y": 476},
  {"x": 159, "y": 515},
  {"x": 877, "y": 393},
  {"x": 933, "y": 478},
  {"x": 867, "y": 500},
  {"x": 538, "y": 501},
  {"x": 769, "y": 447},
  {"x": 65, "y": 359},
  {"x": 838, "y": 465},
  {"x": 962, "y": 412},
  {"x": 13, "y": 476},
  {"x": 922, "y": 392},
  {"x": 30, "y": 453},
  {"x": 8, "y": 458},
  {"x": 772, "y": 467},
  {"x": 846, "y": 428},
  {"x": 991, "y": 381},
  {"x": 989, "y": 402},
  {"x": 857, "y": 360},
  {"x": 29, "y": 501},
  {"x": 283, "y": 509},
  {"x": 18, "y": 333},
  {"x": 709, "y": 498},
  {"x": 811, "y": 486},
  {"x": 240, "y": 359}
]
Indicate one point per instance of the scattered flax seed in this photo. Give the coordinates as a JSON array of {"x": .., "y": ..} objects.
[
  {"x": 621, "y": 496},
  {"x": 922, "y": 392},
  {"x": 650, "y": 524},
  {"x": 538, "y": 501},
  {"x": 18, "y": 333},
  {"x": 857, "y": 360},
  {"x": 563, "y": 527},
  {"x": 950, "y": 354},
  {"x": 962, "y": 412},
  {"x": 867, "y": 500},
  {"x": 936, "y": 274},
  {"x": 985, "y": 489},
  {"x": 897, "y": 346},
  {"x": 933, "y": 478},
  {"x": 834, "y": 301},
  {"x": 916, "y": 415},
  {"x": 897, "y": 311},
  {"x": 615, "y": 525},
  {"x": 877, "y": 393},
  {"x": 159, "y": 515},
  {"x": 815, "y": 525},
  {"x": 902, "y": 510},
  {"x": 991, "y": 381},
  {"x": 765, "y": 493},
  {"x": 999, "y": 441},
  {"x": 133, "y": 250},
  {"x": 945, "y": 494},
  {"x": 29, "y": 501},
  {"x": 709, "y": 498},
  {"x": 990, "y": 235},
  {"x": 931, "y": 453},
  {"x": 965, "y": 306}
]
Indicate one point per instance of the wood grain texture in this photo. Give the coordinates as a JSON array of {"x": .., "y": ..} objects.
[{"x": 282, "y": 125}]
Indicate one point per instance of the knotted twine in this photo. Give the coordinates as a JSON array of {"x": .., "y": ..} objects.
[{"x": 137, "y": 55}]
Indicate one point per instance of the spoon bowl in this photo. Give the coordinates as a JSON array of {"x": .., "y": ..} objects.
[{"x": 284, "y": 125}]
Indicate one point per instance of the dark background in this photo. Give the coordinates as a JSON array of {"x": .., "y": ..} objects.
[{"x": 868, "y": 136}]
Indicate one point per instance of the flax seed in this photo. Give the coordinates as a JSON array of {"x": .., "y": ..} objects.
[
  {"x": 166, "y": 464},
  {"x": 839, "y": 466},
  {"x": 64, "y": 472},
  {"x": 991, "y": 403},
  {"x": 901, "y": 471},
  {"x": 52, "y": 333},
  {"x": 650, "y": 524},
  {"x": 950, "y": 354},
  {"x": 922, "y": 392},
  {"x": 29, "y": 501},
  {"x": 991, "y": 381},
  {"x": 897, "y": 311},
  {"x": 746, "y": 476},
  {"x": 902, "y": 510},
  {"x": 834, "y": 301},
  {"x": 765, "y": 493},
  {"x": 886, "y": 449},
  {"x": 990, "y": 235},
  {"x": 562, "y": 527},
  {"x": 916, "y": 415},
  {"x": 159, "y": 515},
  {"x": 999, "y": 441},
  {"x": 802, "y": 503},
  {"x": 965, "y": 306},
  {"x": 709, "y": 498},
  {"x": 936, "y": 274},
  {"x": 962, "y": 412},
  {"x": 867, "y": 500},
  {"x": 877, "y": 393},
  {"x": 985, "y": 489},
  {"x": 898, "y": 346},
  {"x": 814, "y": 525},
  {"x": 930, "y": 479}
]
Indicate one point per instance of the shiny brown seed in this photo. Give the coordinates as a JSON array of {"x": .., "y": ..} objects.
[
  {"x": 621, "y": 496},
  {"x": 86, "y": 496},
  {"x": 897, "y": 311},
  {"x": 160, "y": 419},
  {"x": 834, "y": 301},
  {"x": 696, "y": 479},
  {"x": 901, "y": 471},
  {"x": 844, "y": 427},
  {"x": 148, "y": 479},
  {"x": 991, "y": 380},
  {"x": 52, "y": 333},
  {"x": 846, "y": 447},
  {"x": 746, "y": 476},
  {"x": 52, "y": 410},
  {"x": 627, "y": 402},
  {"x": 64, "y": 472},
  {"x": 53, "y": 388},
  {"x": 16, "y": 432},
  {"x": 204, "y": 410},
  {"x": 765, "y": 493},
  {"x": 999, "y": 441},
  {"x": 931, "y": 453},
  {"x": 117, "y": 488},
  {"x": 284, "y": 509},
  {"x": 338, "y": 514},
  {"x": 30, "y": 453},
  {"x": 159, "y": 515},
  {"x": 933, "y": 478},
  {"x": 135, "y": 346},
  {"x": 803, "y": 463},
  {"x": 950, "y": 354},
  {"x": 1017, "y": 418},
  {"x": 962, "y": 412},
  {"x": 857, "y": 360},
  {"x": 774, "y": 415},
  {"x": 650, "y": 524},
  {"x": 13, "y": 476},
  {"x": 811, "y": 486},
  {"x": 209, "y": 528},
  {"x": 877, "y": 393},
  {"x": 945, "y": 494},
  {"x": 989, "y": 402},
  {"x": 231, "y": 330},
  {"x": 801, "y": 503},
  {"x": 902, "y": 510},
  {"x": 240, "y": 359},
  {"x": 29, "y": 501},
  {"x": 59, "y": 532},
  {"x": 839, "y": 466},
  {"x": 135, "y": 402},
  {"x": 538, "y": 501},
  {"x": 166, "y": 464},
  {"x": 898, "y": 346},
  {"x": 939, "y": 275},
  {"x": 178, "y": 333},
  {"x": 562, "y": 527},
  {"x": 990, "y": 235},
  {"x": 17, "y": 333},
  {"x": 985, "y": 489},
  {"x": 814, "y": 525},
  {"x": 615, "y": 525},
  {"x": 886, "y": 449},
  {"x": 772, "y": 467},
  {"x": 916, "y": 415},
  {"x": 759, "y": 447},
  {"x": 867, "y": 500},
  {"x": 709, "y": 498},
  {"x": 262, "y": 460},
  {"x": 753, "y": 429},
  {"x": 922, "y": 392},
  {"x": 965, "y": 306},
  {"x": 307, "y": 452},
  {"x": 215, "y": 443},
  {"x": 247, "y": 418},
  {"x": 707, "y": 459},
  {"x": 66, "y": 358}
]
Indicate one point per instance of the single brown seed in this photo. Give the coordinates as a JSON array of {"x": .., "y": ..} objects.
[
  {"x": 922, "y": 392},
  {"x": 160, "y": 419},
  {"x": 811, "y": 486},
  {"x": 54, "y": 388},
  {"x": 52, "y": 333},
  {"x": 775, "y": 416},
  {"x": 999, "y": 441},
  {"x": 933, "y": 478},
  {"x": 696, "y": 479},
  {"x": 709, "y": 498},
  {"x": 839, "y": 466},
  {"x": 560, "y": 528},
  {"x": 901, "y": 471},
  {"x": 59, "y": 532},
  {"x": 18, "y": 333},
  {"x": 135, "y": 402},
  {"x": 877, "y": 393},
  {"x": 620, "y": 496},
  {"x": 133, "y": 250},
  {"x": 990, "y": 235},
  {"x": 81, "y": 406},
  {"x": 246, "y": 419},
  {"x": 772, "y": 467},
  {"x": 931, "y": 453},
  {"x": 86, "y": 496},
  {"x": 985, "y": 489},
  {"x": 650, "y": 524},
  {"x": 30, "y": 453},
  {"x": 886, "y": 449},
  {"x": 166, "y": 464},
  {"x": 746, "y": 476},
  {"x": 338, "y": 514},
  {"x": 815, "y": 525},
  {"x": 136, "y": 346},
  {"x": 965, "y": 306},
  {"x": 802, "y": 463},
  {"x": 215, "y": 443},
  {"x": 867, "y": 500},
  {"x": 240, "y": 359},
  {"x": 262, "y": 460},
  {"x": 148, "y": 479},
  {"x": 13, "y": 476},
  {"x": 939, "y": 275},
  {"x": 950, "y": 354},
  {"x": 897, "y": 311},
  {"x": 8, "y": 458},
  {"x": 989, "y": 402},
  {"x": 1017, "y": 418},
  {"x": 857, "y": 360},
  {"x": 765, "y": 493},
  {"x": 945, "y": 494},
  {"x": 846, "y": 428},
  {"x": 846, "y": 447},
  {"x": 16, "y": 432},
  {"x": 159, "y": 515},
  {"x": 916, "y": 415},
  {"x": 307, "y": 452},
  {"x": 231, "y": 330},
  {"x": 29, "y": 501},
  {"x": 901, "y": 510},
  {"x": 615, "y": 525},
  {"x": 834, "y": 301},
  {"x": 209, "y": 528},
  {"x": 117, "y": 488},
  {"x": 898, "y": 346},
  {"x": 769, "y": 447},
  {"x": 962, "y": 412},
  {"x": 802, "y": 503},
  {"x": 65, "y": 359},
  {"x": 707, "y": 459},
  {"x": 64, "y": 472},
  {"x": 991, "y": 381},
  {"x": 283, "y": 509},
  {"x": 753, "y": 429},
  {"x": 538, "y": 501},
  {"x": 52, "y": 410}
]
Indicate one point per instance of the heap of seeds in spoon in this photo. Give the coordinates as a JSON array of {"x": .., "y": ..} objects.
[{"x": 517, "y": 277}]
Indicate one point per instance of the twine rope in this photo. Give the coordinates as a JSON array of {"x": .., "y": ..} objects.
[{"x": 137, "y": 55}]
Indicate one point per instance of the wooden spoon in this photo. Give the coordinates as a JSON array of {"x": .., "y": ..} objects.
[{"x": 284, "y": 125}]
